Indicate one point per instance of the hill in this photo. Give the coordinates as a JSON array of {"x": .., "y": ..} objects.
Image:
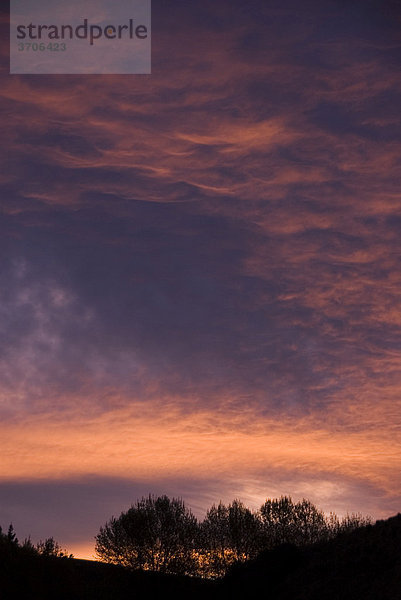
[
  {"x": 361, "y": 565},
  {"x": 24, "y": 575}
]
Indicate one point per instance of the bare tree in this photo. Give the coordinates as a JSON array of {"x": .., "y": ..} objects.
[
  {"x": 229, "y": 534},
  {"x": 283, "y": 521},
  {"x": 160, "y": 534},
  {"x": 155, "y": 533}
]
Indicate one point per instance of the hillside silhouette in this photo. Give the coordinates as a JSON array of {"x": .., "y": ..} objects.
[
  {"x": 364, "y": 564},
  {"x": 24, "y": 575}
]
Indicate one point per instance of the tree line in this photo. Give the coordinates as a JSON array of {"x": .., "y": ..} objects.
[
  {"x": 49, "y": 547},
  {"x": 162, "y": 534}
]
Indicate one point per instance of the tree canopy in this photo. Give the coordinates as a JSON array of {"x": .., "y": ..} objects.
[
  {"x": 160, "y": 534},
  {"x": 155, "y": 533}
]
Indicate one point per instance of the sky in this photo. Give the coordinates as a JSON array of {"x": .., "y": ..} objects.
[{"x": 200, "y": 274}]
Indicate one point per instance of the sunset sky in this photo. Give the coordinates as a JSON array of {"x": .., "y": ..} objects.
[{"x": 201, "y": 269}]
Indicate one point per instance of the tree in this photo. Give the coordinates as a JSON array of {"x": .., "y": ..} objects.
[
  {"x": 310, "y": 523},
  {"x": 228, "y": 534},
  {"x": 51, "y": 548},
  {"x": 160, "y": 534},
  {"x": 243, "y": 528},
  {"x": 283, "y": 522},
  {"x": 215, "y": 541},
  {"x": 156, "y": 533},
  {"x": 351, "y": 522},
  {"x": 11, "y": 536}
]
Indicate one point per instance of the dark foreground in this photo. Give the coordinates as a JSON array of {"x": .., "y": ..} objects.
[{"x": 362, "y": 565}]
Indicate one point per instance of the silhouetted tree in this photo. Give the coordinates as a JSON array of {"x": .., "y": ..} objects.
[
  {"x": 215, "y": 541},
  {"x": 228, "y": 534},
  {"x": 243, "y": 528},
  {"x": 155, "y": 533},
  {"x": 286, "y": 522},
  {"x": 9, "y": 545},
  {"x": 160, "y": 534},
  {"x": 28, "y": 546},
  {"x": 11, "y": 536},
  {"x": 51, "y": 548},
  {"x": 310, "y": 523},
  {"x": 335, "y": 526}
]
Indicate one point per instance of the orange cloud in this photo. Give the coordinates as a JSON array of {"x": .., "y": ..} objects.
[{"x": 154, "y": 440}]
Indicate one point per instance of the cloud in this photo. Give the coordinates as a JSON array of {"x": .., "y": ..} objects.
[{"x": 156, "y": 441}]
